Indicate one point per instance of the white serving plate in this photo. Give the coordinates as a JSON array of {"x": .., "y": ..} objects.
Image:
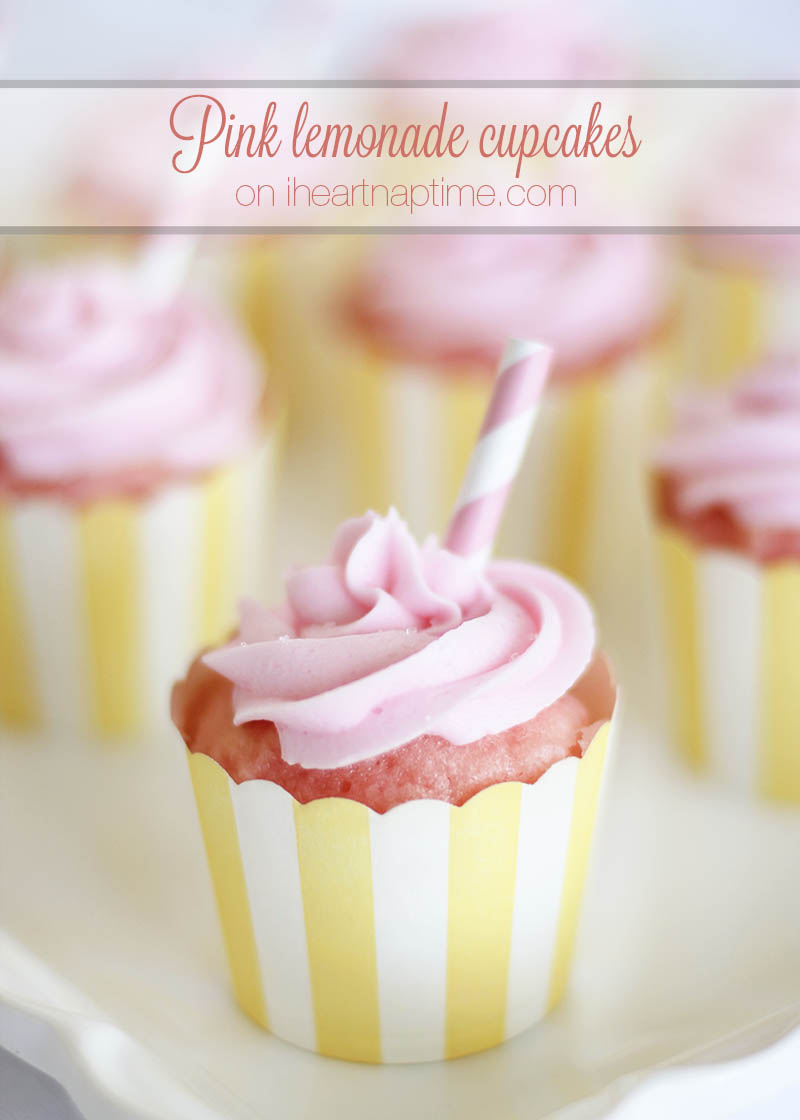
[
  {"x": 113, "y": 979},
  {"x": 112, "y": 975}
]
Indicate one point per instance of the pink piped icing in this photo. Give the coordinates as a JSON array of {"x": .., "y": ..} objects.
[
  {"x": 739, "y": 451},
  {"x": 97, "y": 382},
  {"x": 390, "y": 640},
  {"x": 456, "y": 298}
]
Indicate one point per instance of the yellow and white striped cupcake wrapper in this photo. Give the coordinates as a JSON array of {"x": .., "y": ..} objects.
[
  {"x": 731, "y": 317},
  {"x": 287, "y": 288},
  {"x": 733, "y": 628},
  {"x": 581, "y": 489},
  {"x": 429, "y": 932},
  {"x": 102, "y": 606}
]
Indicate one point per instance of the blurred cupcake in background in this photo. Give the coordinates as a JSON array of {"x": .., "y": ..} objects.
[
  {"x": 135, "y": 458},
  {"x": 741, "y": 292},
  {"x": 727, "y": 483},
  {"x": 541, "y": 40},
  {"x": 423, "y": 325},
  {"x": 109, "y": 183}
]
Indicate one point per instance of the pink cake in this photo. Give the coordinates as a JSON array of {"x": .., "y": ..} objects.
[
  {"x": 729, "y": 474},
  {"x": 396, "y": 672}
]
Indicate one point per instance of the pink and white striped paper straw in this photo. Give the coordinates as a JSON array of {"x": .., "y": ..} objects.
[{"x": 500, "y": 448}]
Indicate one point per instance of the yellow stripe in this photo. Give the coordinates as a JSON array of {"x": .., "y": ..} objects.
[
  {"x": 111, "y": 566},
  {"x": 679, "y": 570},
  {"x": 464, "y": 399},
  {"x": 738, "y": 328},
  {"x": 333, "y": 849},
  {"x": 261, "y": 274},
  {"x": 218, "y": 822},
  {"x": 780, "y": 733},
  {"x": 218, "y": 588},
  {"x": 576, "y": 466},
  {"x": 18, "y": 706},
  {"x": 584, "y": 811},
  {"x": 367, "y": 419},
  {"x": 483, "y": 862},
  {"x": 667, "y": 356}
]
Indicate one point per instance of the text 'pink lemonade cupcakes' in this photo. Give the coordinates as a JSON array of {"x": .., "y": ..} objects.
[
  {"x": 728, "y": 501},
  {"x": 134, "y": 460},
  {"x": 397, "y": 774}
]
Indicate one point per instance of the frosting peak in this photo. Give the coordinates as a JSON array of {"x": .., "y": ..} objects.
[
  {"x": 390, "y": 640},
  {"x": 379, "y": 579}
]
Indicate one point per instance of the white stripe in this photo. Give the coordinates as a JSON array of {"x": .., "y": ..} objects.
[
  {"x": 170, "y": 547},
  {"x": 700, "y": 315},
  {"x": 240, "y": 474},
  {"x": 729, "y": 626},
  {"x": 496, "y": 458},
  {"x": 619, "y": 563},
  {"x": 265, "y": 823},
  {"x": 410, "y": 847},
  {"x": 413, "y": 432},
  {"x": 545, "y": 818},
  {"x": 53, "y": 591},
  {"x": 520, "y": 349},
  {"x": 255, "y": 524},
  {"x": 781, "y": 327},
  {"x": 480, "y": 559}
]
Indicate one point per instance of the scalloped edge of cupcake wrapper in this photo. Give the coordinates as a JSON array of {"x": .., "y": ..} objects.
[
  {"x": 428, "y": 932},
  {"x": 102, "y": 606},
  {"x": 731, "y": 632}
]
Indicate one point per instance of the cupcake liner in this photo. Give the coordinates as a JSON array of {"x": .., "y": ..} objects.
[
  {"x": 286, "y": 286},
  {"x": 102, "y": 605},
  {"x": 428, "y": 932},
  {"x": 731, "y": 317},
  {"x": 732, "y": 629},
  {"x": 581, "y": 486}
]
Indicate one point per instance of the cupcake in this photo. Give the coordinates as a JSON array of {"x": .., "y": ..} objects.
[
  {"x": 135, "y": 451},
  {"x": 742, "y": 291},
  {"x": 539, "y": 39},
  {"x": 423, "y": 326},
  {"x": 728, "y": 503},
  {"x": 397, "y": 772}
]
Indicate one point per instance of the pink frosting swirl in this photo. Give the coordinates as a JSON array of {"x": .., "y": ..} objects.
[
  {"x": 390, "y": 640},
  {"x": 96, "y": 381},
  {"x": 457, "y": 297},
  {"x": 740, "y": 450}
]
